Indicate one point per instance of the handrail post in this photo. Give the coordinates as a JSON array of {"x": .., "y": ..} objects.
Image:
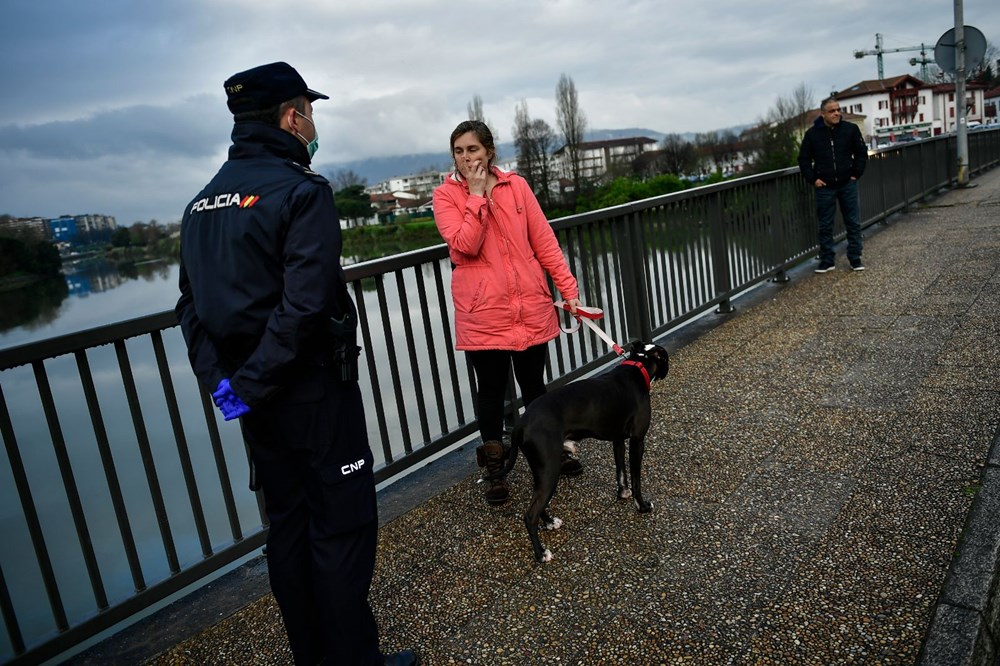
[
  {"x": 634, "y": 281},
  {"x": 720, "y": 253},
  {"x": 779, "y": 249}
]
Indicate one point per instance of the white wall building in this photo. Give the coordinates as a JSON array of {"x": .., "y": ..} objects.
[
  {"x": 991, "y": 105},
  {"x": 91, "y": 222},
  {"x": 891, "y": 107},
  {"x": 417, "y": 183},
  {"x": 597, "y": 158},
  {"x": 36, "y": 226},
  {"x": 945, "y": 114},
  {"x": 905, "y": 105}
]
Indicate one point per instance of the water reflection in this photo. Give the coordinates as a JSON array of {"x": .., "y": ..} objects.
[
  {"x": 33, "y": 305},
  {"x": 45, "y": 309},
  {"x": 101, "y": 275},
  {"x": 83, "y": 299}
]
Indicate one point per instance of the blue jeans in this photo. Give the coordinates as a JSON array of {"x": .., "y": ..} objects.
[{"x": 826, "y": 209}]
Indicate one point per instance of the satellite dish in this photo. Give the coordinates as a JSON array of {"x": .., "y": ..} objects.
[{"x": 975, "y": 49}]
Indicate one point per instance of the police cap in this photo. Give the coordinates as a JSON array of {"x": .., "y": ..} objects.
[{"x": 265, "y": 87}]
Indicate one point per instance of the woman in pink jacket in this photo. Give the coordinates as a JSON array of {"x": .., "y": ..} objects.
[{"x": 501, "y": 245}]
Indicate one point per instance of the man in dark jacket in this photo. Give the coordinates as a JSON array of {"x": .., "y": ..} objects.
[
  {"x": 270, "y": 325},
  {"x": 832, "y": 158}
]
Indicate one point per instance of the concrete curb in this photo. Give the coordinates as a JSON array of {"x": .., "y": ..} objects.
[{"x": 965, "y": 629}]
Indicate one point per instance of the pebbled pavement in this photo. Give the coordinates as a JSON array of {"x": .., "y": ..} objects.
[{"x": 813, "y": 460}]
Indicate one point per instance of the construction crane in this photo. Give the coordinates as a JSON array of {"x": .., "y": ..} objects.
[{"x": 879, "y": 50}]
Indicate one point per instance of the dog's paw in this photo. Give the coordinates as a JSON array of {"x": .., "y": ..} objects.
[
  {"x": 553, "y": 524},
  {"x": 644, "y": 506},
  {"x": 546, "y": 556},
  {"x": 570, "y": 446},
  {"x": 624, "y": 493}
]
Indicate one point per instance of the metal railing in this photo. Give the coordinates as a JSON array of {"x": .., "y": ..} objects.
[{"x": 113, "y": 515}]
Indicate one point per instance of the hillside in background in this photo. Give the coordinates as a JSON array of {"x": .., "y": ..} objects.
[{"x": 377, "y": 169}]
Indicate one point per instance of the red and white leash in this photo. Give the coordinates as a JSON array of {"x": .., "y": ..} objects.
[{"x": 587, "y": 315}]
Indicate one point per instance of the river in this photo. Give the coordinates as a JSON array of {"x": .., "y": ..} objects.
[{"x": 91, "y": 293}]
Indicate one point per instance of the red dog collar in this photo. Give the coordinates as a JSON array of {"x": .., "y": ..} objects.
[{"x": 645, "y": 374}]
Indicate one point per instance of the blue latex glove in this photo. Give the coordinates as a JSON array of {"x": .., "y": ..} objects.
[{"x": 228, "y": 402}]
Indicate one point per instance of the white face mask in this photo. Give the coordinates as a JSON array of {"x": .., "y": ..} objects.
[{"x": 311, "y": 146}]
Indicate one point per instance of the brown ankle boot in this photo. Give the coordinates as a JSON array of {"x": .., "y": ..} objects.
[{"x": 491, "y": 456}]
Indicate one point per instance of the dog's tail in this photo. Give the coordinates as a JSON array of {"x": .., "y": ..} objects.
[{"x": 515, "y": 444}]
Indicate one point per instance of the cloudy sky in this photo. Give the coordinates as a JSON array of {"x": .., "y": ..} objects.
[{"x": 117, "y": 106}]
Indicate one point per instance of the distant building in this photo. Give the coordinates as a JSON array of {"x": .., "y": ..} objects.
[
  {"x": 801, "y": 123},
  {"x": 70, "y": 228},
  {"x": 389, "y": 205},
  {"x": 64, "y": 229},
  {"x": 991, "y": 105},
  {"x": 93, "y": 222},
  {"x": 598, "y": 158},
  {"x": 37, "y": 227},
  {"x": 891, "y": 107},
  {"x": 945, "y": 115},
  {"x": 905, "y": 105},
  {"x": 418, "y": 183}
]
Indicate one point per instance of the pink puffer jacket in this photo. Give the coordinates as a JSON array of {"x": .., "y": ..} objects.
[{"x": 501, "y": 249}]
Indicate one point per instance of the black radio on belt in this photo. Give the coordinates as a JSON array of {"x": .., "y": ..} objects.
[
  {"x": 345, "y": 362},
  {"x": 344, "y": 332}
]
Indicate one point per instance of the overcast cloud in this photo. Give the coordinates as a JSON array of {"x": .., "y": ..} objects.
[{"x": 117, "y": 106}]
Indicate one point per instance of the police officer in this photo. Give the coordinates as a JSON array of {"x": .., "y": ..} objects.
[{"x": 269, "y": 326}]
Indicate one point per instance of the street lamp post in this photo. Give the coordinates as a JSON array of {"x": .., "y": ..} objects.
[{"x": 961, "y": 134}]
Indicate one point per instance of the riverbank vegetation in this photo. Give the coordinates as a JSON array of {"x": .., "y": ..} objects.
[{"x": 26, "y": 260}]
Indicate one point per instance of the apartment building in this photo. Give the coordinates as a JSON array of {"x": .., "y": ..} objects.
[
  {"x": 37, "y": 227},
  {"x": 68, "y": 228},
  {"x": 415, "y": 183},
  {"x": 598, "y": 158},
  {"x": 991, "y": 105},
  {"x": 945, "y": 114},
  {"x": 906, "y": 106},
  {"x": 889, "y": 108}
]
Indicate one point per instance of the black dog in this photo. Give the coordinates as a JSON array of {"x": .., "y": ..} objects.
[{"x": 613, "y": 406}]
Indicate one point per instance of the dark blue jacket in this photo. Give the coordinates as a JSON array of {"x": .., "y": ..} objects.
[
  {"x": 833, "y": 154},
  {"x": 260, "y": 274}
]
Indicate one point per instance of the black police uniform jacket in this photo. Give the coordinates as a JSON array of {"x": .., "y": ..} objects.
[
  {"x": 260, "y": 274},
  {"x": 833, "y": 154}
]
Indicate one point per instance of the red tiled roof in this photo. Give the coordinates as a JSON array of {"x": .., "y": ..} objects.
[
  {"x": 950, "y": 87},
  {"x": 876, "y": 86}
]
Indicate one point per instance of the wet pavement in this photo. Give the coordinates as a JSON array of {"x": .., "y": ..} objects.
[{"x": 812, "y": 462}]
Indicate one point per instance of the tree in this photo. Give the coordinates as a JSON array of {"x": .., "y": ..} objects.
[
  {"x": 778, "y": 149},
  {"x": 475, "y": 109},
  {"x": 544, "y": 140},
  {"x": 797, "y": 108},
  {"x": 476, "y": 112},
  {"x": 353, "y": 203},
  {"x": 28, "y": 256},
  {"x": 781, "y": 131},
  {"x": 120, "y": 237},
  {"x": 677, "y": 156},
  {"x": 526, "y": 150},
  {"x": 706, "y": 144},
  {"x": 534, "y": 140},
  {"x": 984, "y": 72},
  {"x": 572, "y": 125},
  {"x": 343, "y": 178}
]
